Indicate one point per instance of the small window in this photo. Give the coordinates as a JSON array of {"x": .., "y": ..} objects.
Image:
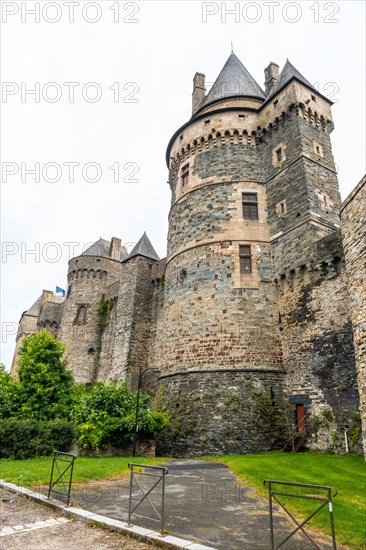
[
  {"x": 275, "y": 103},
  {"x": 317, "y": 149},
  {"x": 207, "y": 122},
  {"x": 313, "y": 98},
  {"x": 282, "y": 206},
  {"x": 181, "y": 136},
  {"x": 325, "y": 200},
  {"x": 250, "y": 206},
  {"x": 245, "y": 259},
  {"x": 241, "y": 117},
  {"x": 185, "y": 174},
  {"x": 279, "y": 155},
  {"x": 81, "y": 315}
]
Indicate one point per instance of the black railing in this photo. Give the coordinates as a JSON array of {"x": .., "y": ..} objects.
[
  {"x": 320, "y": 493},
  {"x": 63, "y": 482},
  {"x": 150, "y": 471}
]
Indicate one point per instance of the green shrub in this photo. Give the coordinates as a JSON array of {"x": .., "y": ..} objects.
[
  {"x": 20, "y": 439},
  {"x": 105, "y": 415}
]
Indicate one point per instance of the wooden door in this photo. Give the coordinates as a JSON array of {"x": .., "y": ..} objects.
[{"x": 300, "y": 417}]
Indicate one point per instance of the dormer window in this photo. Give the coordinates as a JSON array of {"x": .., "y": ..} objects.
[{"x": 185, "y": 174}]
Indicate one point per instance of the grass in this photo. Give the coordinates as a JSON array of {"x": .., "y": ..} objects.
[
  {"x": 36, "y": 471},
  {"x": 347, "y": 473}
]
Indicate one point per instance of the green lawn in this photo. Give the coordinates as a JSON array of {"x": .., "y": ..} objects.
[
  {"x": 346, "y": 473},
  {"x": 33, "y": 472}
]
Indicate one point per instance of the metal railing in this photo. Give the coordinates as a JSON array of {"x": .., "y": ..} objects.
[
  {"x": 297, "y": 437},
  {"x": 152, "y": 471},
  {"x": 69, "y": 458},
  {"x": 320, "y": 493}
]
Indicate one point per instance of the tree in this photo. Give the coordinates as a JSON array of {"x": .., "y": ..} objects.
[
  {"x": 9, "y": 398},
  {"x": 45, "y": 385}
]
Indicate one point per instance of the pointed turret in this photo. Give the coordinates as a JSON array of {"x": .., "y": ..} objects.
[
  {"x": 234, "y": 81},
  {"x": 288, "y": 73},
  {"x": 143, "y": 248}
]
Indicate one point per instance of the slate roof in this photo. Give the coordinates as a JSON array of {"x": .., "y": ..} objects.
[
  {"x": 35, "y": 308},
  {"x": 143, "y": 248},
  {"x": 234, "y": 80},
  {"x": 101, "y": 248},
  {"x": 288, "y": 73}
]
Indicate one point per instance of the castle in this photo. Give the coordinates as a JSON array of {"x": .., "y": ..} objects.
[{"x": 261, "y": 293}]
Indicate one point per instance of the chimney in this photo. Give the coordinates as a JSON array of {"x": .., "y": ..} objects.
[
  {"x": 47, "y": 296},
  {"x": 199, "y": 91},
  {"x": 115, "y": 249},
  {"x": 271, "y": 76}
]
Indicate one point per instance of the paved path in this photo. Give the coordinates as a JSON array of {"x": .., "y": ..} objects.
[
  {"x": 28, "y": 525},
  {"x": 204, "y": 503}
]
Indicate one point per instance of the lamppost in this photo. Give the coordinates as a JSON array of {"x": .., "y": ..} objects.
[{"x": 139, "y": 384}]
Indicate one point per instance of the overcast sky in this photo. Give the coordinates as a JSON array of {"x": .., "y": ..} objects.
[{"x": 129, "y": 68}]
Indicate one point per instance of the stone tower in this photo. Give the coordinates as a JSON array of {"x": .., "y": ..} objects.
[
  {"x": 254, "y": 217},
  {"x": 89, "y": 276},
  {"x": 219, "y": 338}
]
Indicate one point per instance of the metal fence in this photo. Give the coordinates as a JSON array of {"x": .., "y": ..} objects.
[
  {"x": 157, "y": 472},
  {"x": 320, "y": 493},
  {"x": 63, "y": 480}
]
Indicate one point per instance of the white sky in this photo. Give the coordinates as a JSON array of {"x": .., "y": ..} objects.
[{"x": 160, "y": 53}]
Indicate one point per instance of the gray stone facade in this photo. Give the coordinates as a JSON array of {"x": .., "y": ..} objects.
[{"x": 239, "y": 339}]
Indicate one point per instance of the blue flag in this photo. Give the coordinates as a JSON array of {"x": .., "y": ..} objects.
[{"x": 60, "y": 291}]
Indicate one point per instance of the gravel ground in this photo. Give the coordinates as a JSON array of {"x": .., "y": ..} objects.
[{"x": 73, "y": 535}]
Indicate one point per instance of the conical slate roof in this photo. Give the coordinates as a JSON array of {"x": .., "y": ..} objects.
[
  {"x": 288, "y": 73},
  {"x": 101, "y": 248},
  {"x": 143, "y": 248},
  {"x": 234, "y": 80}
]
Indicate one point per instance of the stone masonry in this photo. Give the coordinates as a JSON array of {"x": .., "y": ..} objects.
[
  {"x": 255, "y": 314},
  {"x": 353, "y": 217}
]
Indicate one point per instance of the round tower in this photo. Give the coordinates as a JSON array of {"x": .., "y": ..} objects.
[
  {"x": 219, "y": 344},
  {"x": 88, "y": 277}
]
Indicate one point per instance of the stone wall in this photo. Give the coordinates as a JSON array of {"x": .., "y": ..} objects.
[
  {"x": 354, "y": 239},
  {"x": 222, "y": 412},
  {"x": 88, "y": 278}
]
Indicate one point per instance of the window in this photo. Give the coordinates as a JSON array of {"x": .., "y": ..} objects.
[
  {"x": 181, "y": 137},
  {"x": 279, "y": 154},
  {"x": 81, "y": 315},
  {"x": 275, "y": 103},
  {"x": 313, "y": 98},
  {"x": 317, "y": 149},
  {"x": 241, "y": 117},
  {"x": 250, "y": 206},
  {"x": 245, "y": 259},
  {"x": 207, "y": 122},
  {"x": 185, "y": 174}
]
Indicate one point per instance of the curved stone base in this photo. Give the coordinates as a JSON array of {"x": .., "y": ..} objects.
[{"x": 222, "y": 412}]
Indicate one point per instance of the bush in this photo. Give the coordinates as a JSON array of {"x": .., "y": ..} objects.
[
  {"x": 21, "y": 439},
  {"x": 105, "y": 415}
]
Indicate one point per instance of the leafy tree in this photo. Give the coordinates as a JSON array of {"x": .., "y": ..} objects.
[
  {"x": 9, "y": 394},
  {"x": 105, "y": 415},
  {"x": 45, "y": 384}
]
